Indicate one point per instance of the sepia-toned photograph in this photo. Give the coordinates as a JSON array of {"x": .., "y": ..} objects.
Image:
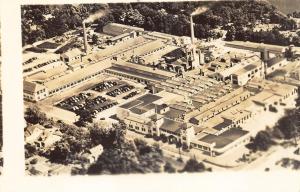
[{"x": 161, "y": 87}]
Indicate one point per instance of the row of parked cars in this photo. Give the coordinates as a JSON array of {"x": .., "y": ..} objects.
[
  {"x": 83, "y": 101},
  {"x": 120, "y": 90},
  {"x": 132, "y": 94},
  {"x": 96, "y": 101},
  {"x": 102, "y": 108},
  {"x": 104, "y": 86},
  {"x": 75, "y": 102}
]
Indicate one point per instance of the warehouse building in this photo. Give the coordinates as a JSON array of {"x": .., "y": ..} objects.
[{"x": 34, "y": 91}]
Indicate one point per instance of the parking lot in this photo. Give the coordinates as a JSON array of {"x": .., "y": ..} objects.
[
  {"x": 86, "y": 101},
  {"x": 91, "y": 97},
  {"x": 100, "y": 97},
  {"x": 116, "y": 89}
]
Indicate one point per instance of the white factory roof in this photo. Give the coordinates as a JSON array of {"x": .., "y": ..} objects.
[
  {"x": 76, "y": 75},
  {"x": 258, "y": 46},
  {"x": 72, "y": 53}
]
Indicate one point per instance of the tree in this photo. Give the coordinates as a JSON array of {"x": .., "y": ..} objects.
[
  {"x": 262, "y": 141},
  {"x": 108, "y": 137},
  {"x": 60, "y": 153},
  {"x": 149, "y": 24},
  {"x": 104, "y": 136},
  {"x": 116, "y": 161},
  {"x": 192, "y": 165},
  {"x": 169, "y": 168},
  {"x": 95, "y": 39},
  {"x": 277, "y": 133},
  {"x": 142, "y": 146},
  {"x": 33, "y": 115},
  {"x": 30, "y": 150},
  {"x": 289, "y": 124},
  {"x": 85, "y": 117},
  {"x": 230, "y": 35}
]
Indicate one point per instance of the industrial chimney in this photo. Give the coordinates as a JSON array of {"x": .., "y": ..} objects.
[
  {"x": 85, "y": 43},
  {"x": 192, "y": 30}
]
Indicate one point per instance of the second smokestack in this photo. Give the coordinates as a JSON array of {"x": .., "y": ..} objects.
[
  {"x": 85, "y": 43},
  {"x": 192, "y": 30}
]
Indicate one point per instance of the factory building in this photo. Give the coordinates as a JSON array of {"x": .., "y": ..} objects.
[
  {"x": 148, "y": 115},
  {"x": 71, "y": 56},
  {"x": 213, "y": 127},
  {"x": 244, "y": 75},
  {"x": 52, "y": 85},
  {"x": 121, "y": 38},
  {"x": 145, "y": 115},
  {"x": 34, "y": 91},
  {"x": 257, "y": 47}
]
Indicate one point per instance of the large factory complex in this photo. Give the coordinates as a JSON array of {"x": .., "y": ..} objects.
[{"x": 195, "y": 93}]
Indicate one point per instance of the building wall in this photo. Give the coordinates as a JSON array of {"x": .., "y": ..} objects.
[
  {"x": 63, "y": 87},
  {"x": 276, "y": 66},
  {"x": 242, "y": 79},
  {"x": 206, "y": 147},
  {"x": 68, "y": 60},
  {"x": 138, "y": 127},
  {"x": 37, "y": 95}
]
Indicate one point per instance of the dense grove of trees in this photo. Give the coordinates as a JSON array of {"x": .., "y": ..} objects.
[
  {"x": 36, "y": 26},
  {"x": 270, "y": 37},
  {"x": 168, "y": 17}
]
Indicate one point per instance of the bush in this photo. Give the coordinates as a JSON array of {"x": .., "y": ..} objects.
[
  {"x": 267, "y": 169},
  {"x": 163, "y": 138},
  {"x": 273, "y": 109},
  {"x": 169, "y": 168},
  {"x": 193, "y": 165},
  {"x": 33, "y": 161},
  {"x": 262, "y": 141},
  {"x": 30, "y": 150},
  {"x": 60, "y": 153}
]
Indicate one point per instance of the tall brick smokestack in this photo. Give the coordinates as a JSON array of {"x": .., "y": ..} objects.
[
  {"x": 192, "y": 29},
  {"x": 85, "y": 43}
]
